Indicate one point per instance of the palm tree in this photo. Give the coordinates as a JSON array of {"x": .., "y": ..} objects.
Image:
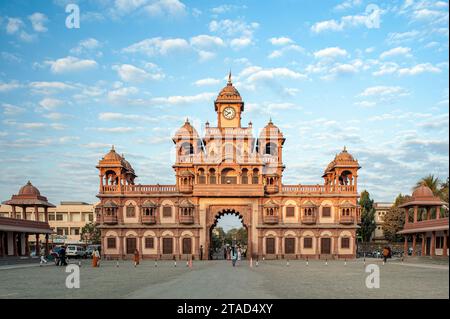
[{"x": 432, "y": 182}]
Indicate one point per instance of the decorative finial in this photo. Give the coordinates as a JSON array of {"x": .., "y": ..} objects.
[
  {"x": 345, "y": 148},
  {"x": 229, "y": 77},
  {"x": 29, "y": 183},
  {"x": 112, "y": 148},
  {"x": 187, "y": 120},
  {"x": 123, "y": 156},
  {"x": 270, "y": 120}
]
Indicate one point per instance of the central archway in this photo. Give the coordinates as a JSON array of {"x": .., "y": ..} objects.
[{"x": 215, "y": 212}]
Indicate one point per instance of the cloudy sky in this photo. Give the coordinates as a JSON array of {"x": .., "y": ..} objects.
[{"x": 372, "y": 76}]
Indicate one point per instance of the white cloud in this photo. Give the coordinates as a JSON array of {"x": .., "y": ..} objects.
[
  {"x": 110, "y": 116},
  {"x": 86, "y": 45},
  {"x": 127, "y": 6},
  {"x": 130, "y": 73},
  {"x": 386, "y": 68},
  {"x": 257, "y": 74},
  {"x": 205, "y": 55},
  {"x": 207, "y": 81},
  {"x": 116, "y": 129},
  {"x": 332, "y": 52},
  {"x": 239, "y": 43},
  {"x": 170, "y": 8},
  {"x": 370, "y": 20},
  {"x": 70, "y": 64},
  {"x": 398, "y": 51},
  {"x": 366, "y": 104},
  {"x": 381, "y": 90},
  {"x": 12, "y": 85},
  {"x": 50, "y": 103},
  {"x": 14, "y": 25},
  {"x": 226, "y": 8},
  {"x": 44, "y": 87},
  {"x": 38, "y": 21},
  {"x": 281, "y": 41},
  {"x": 348, "y": 4},
  {"x": 418, "y": 69},
  {"x": 121, "y": 93},
  {"x": 10, "y": 109},
  {"x": 178, "y": 99},
  {"x": 157, "y": 46},
  {"x": 283, "y": 50},
  {"x": 206, "y": 41}
]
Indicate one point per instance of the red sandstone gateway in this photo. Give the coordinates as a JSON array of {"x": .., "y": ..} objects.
[{"x": 228, "y": 171}]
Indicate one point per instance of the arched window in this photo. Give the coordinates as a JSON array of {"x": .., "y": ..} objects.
[
  {"x": 244, "y": 177},
  {"x": 270, "y": 149},
  {"x": 255, "y": 177},
  {"x": 186, "y": 149},
  {"x": 201, "y": 176},
  {"x": 212, "y": 176},
  {"x": 228, "y": 176}
]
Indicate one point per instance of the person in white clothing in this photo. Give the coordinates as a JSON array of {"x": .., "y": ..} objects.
[{"x": 43, "y": 260}]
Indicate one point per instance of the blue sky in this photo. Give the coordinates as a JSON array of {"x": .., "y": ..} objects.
[{"x": 370, "y": 75}]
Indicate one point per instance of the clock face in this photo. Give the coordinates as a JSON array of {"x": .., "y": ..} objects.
[{"x": 229, "y": 113}]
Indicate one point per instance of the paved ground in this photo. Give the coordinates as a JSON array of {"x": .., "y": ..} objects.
[{"x": 217, "y": 279}]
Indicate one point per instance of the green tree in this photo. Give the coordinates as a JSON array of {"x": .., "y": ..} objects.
[
  {"x": 90, "y": 234},
  {"x": 367, "y": 216},
  {"x": 444, "y": 191},
  {"x": 394, "y": 219}
]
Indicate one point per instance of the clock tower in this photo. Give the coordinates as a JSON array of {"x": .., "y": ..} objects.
[{"x": 229, "y": 106}]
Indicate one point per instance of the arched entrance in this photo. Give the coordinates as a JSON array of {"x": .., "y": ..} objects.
[
  {"x": 228, "y": 231},
  {"x": 215, "y": 212}
]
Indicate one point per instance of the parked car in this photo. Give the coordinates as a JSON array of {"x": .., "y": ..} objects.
[
  {"x": 75, "y": 251},
  {"x": 90, "y": 250}
]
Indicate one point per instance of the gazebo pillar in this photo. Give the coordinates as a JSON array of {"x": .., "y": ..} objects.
[
  {"x": 415, "y": 213},
  {"x": 433, "y": 243},
  {"x": 16, "y": 248},
  {"x": 46, "y": 244},
  {"x": 444, "y": 247},
  {"x": 414, "y": 245},
  {"x": 438, "y": 212},
  {"x": 38, "y": 245},
  {"x": 13, "y": 213},
  {"x": 405, "y": 246},
  {"x": 46, "y": 214},
  {"x": 24, "y": 212},
  {"x": 36, "y": 213},
  {"x": 406, "y": 215},
  {"x": 424, "y": 240}
]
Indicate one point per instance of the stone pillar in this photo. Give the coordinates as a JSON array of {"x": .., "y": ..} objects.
[
  {"x": 335, "y": 246},
  {"x": 444, "y": 246},
  {"x": 433, "y": 243},
  {"x": 317, "y": 246},
  {"x": 121, "y": 247},
  {"x": 27, "y": 247},
  {"x": 405, "y": 246},
  {"x": 438, "y": 212},
  {"x": 424, "y": 241},
  {"x": 415, "y": 213},
  {"x": 260, "y": 245},
  {"x": 46, "y": 244},
  {"x": 139, "y": 246},
  {"x": 428, "y": 213},
  {"x": 13, "y": 213},
  {"x": 38, "y": 245},
  {"x": 406, "y": 216},
  {"x": 46, "y": 214},
  {"x": 280, "y": 246},
  {"x": 36, "y": 213},
  {"x": 177, "y": 246},
  {"x": 16, "y": 248},
  {"x": 414, "y": 245},
  {"x": 24, "y": 212}
]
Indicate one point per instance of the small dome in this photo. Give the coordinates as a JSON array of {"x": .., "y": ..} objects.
[
  {"x": 187, "y": 130},
  {"x": 344, "y": 156},
  {"x": 229, "y": 92},
  {"x": 329, "y": 167},
  {"x": 271, "y": 130},
  {"x": 112, "y": 155},
  {"x": 29, "y": 189},
  {"x": 422, "y": 191}
]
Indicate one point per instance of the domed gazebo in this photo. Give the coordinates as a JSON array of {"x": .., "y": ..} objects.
[
  {"x": 18, "y": 226},
  {"x": 425, "y": 216}
]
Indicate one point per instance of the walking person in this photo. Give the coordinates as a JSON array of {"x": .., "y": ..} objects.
[
  {"x": 62, "y": 256},
  {"x": 96, "y": 258},
  {"x": 225, "y": 252},
  {"x": 43, "y": 259},
  {"x": 385, "y": 254},
  {"x": 201, "y": 252},
  {"x": 234, "y": 255},
  {"x": 136, "y": 257}
]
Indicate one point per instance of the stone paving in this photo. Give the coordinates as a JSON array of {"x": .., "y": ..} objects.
[{"x": 218, "y": 279}]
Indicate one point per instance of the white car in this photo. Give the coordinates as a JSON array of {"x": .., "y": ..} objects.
[{"x": 75, "y": 251}]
